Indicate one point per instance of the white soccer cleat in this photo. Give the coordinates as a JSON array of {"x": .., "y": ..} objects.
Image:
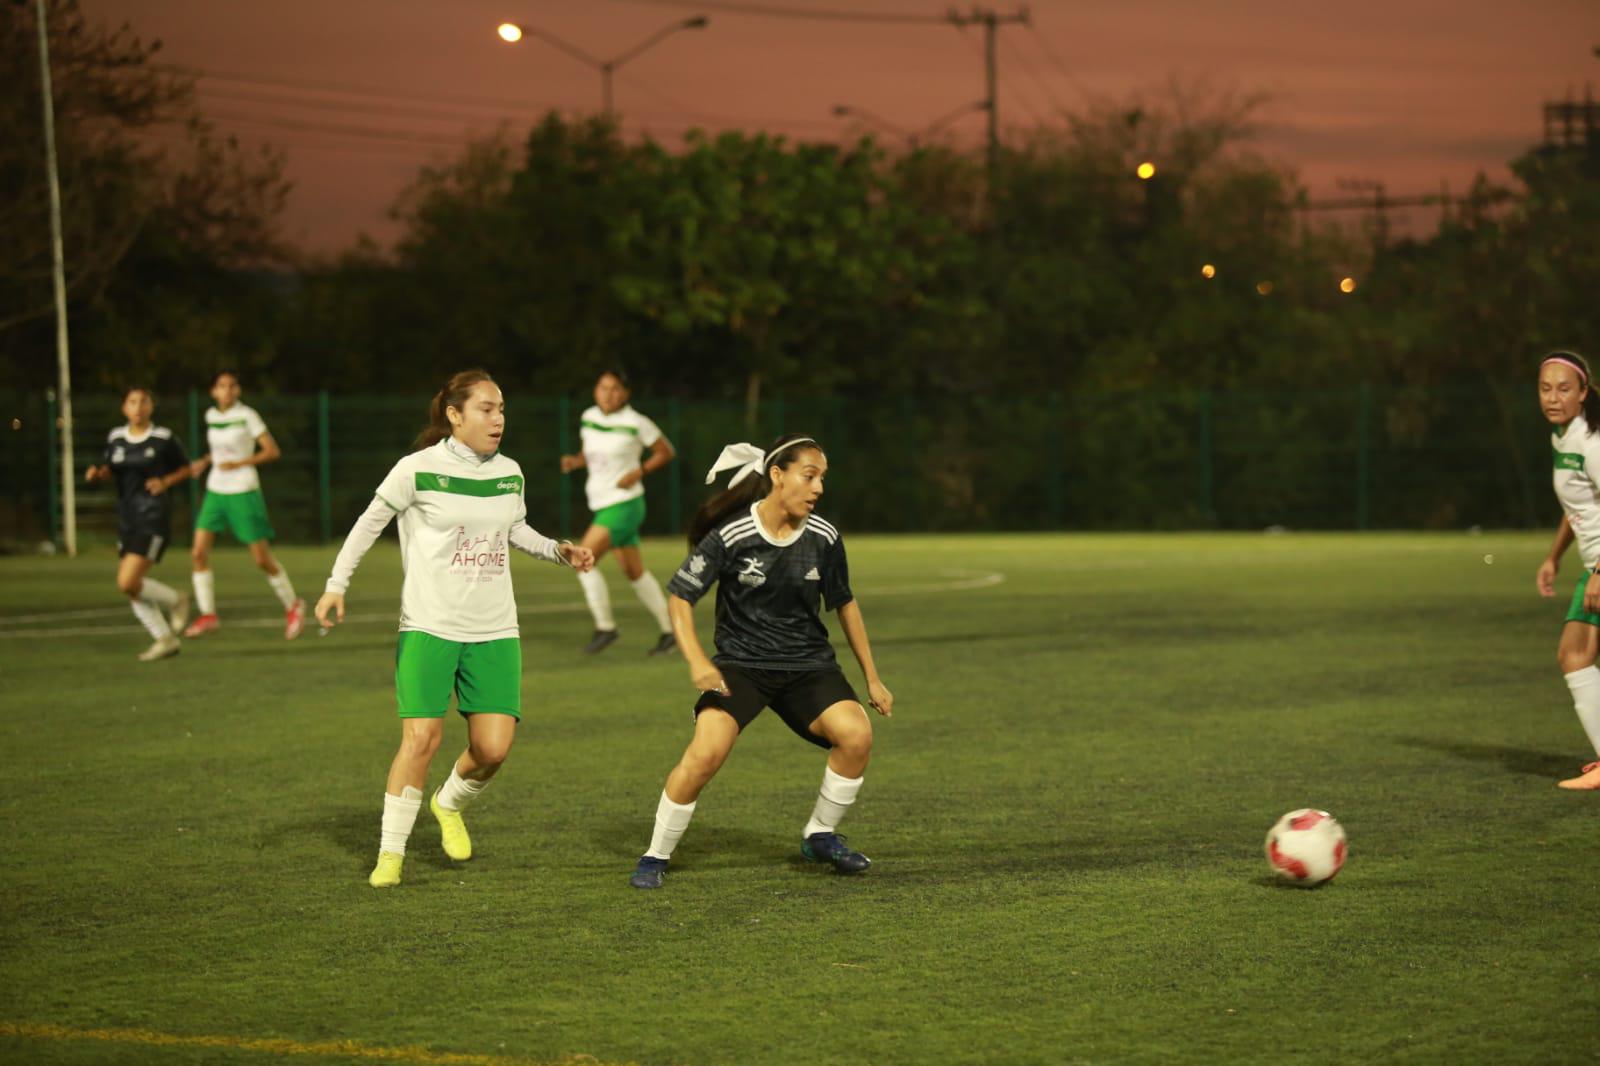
[{"x": 164, "y": 648}]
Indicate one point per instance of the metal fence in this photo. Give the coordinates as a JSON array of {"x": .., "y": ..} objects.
[{"x": 1363, "y": 457}]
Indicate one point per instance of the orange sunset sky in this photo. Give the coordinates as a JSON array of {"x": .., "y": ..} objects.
[{"x": 360, "y": 93}]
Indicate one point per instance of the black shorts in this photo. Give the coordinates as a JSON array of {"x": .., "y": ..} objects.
[
  {"x": 799, "y": 696},
  {"x": 150, "y": 543}
]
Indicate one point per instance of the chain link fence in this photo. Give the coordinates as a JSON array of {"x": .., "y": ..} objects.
[{"x": 1363, "y": 457}]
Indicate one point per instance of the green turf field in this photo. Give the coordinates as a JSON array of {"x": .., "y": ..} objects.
[{"x": 1066, "y": 815}]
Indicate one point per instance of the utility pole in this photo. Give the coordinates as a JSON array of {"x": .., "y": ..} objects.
[{"x": 991, "y": 20}]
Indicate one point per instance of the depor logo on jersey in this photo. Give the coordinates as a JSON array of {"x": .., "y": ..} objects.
[{"x": 751, "y": 575}]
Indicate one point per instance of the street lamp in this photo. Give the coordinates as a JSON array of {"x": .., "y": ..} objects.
[{"x": 514, "y": 32}]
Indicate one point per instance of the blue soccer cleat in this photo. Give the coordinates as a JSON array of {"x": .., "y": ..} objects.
[
  {"x": 649, "y": 873},
  {"x": 830, "y": 847}
]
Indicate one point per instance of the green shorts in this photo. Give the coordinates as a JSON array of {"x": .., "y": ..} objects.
[
  {"x": 486, "y": 676},
  {"x": 1576, "y": 613},
  {"x": 622, "y": 520},
  {"x": 243, "y": 512}
]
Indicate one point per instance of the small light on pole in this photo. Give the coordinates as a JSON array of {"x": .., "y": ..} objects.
[
  {"x": 1208, "y": 271},
  {"x": 1146, "y": 170},
  {"x": 1347, "y": 285},
  {"x": 510, "y": 32},
  {"x": 1264, "y": 288}
]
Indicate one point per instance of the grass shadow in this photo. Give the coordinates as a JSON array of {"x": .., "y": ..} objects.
[{"x": 1516, "y": 760}]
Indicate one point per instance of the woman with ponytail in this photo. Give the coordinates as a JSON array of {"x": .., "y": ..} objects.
[
  {"x": 775, "y": 559},
  {"x": 460, "y": 504},
  {"x": 1568, "y": 398}
]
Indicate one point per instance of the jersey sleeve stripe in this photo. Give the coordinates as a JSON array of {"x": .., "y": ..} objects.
[{"x": 824, "y": 525}]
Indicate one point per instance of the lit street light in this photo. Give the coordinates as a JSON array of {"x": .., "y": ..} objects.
[
  {"x": 1146, "y": 171},
  {"x": 514, "y": 32}
]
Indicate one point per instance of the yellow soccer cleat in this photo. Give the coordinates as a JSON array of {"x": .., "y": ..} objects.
[
  {"x": 387, "y": 873},
  {"x": 457, "y": 844}
]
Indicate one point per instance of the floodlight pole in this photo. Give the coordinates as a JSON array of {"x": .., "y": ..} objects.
[{"x": 69, "y": 496}]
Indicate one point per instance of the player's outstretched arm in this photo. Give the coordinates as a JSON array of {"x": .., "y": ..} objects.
[
  {"x": 363, "y": 535},
  {"x": 855, "y": 632},
  {"x": 1545, "y": 580}
]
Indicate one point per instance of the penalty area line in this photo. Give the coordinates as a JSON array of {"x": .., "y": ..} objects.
[{"x": 348, "y": 1049}]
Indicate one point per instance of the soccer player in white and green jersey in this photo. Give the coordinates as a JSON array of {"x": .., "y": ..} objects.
[
  {"x": 614, "y": 438},
  {"x": 239, "y": 443},
  {"x": 1569, "y": 400},
  {"x": 460, "y": 503}
]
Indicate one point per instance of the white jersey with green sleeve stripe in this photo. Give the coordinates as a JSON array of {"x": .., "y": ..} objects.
[
  {"x": 231, "y": 437},
  {"x": 1577, "y": 481},
  {"x": 612, "y": 445},
  {"x": 460, "y": 514}
]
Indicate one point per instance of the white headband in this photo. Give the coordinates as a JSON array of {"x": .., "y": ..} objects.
[{"x": 749, "y": 459}]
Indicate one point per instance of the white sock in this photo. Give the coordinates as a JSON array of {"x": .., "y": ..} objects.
[
  {"x": 648, "y": 589},
  {"x": 837, "y": 794},
  {"x": 671, "y": 821},
  {"x": 456, "y": 793},
  {"x": 205, "y": 591},
  {"x": 599, "y": 597},
  {"x": 157, "y": 593},
  {"x": 399, "y": 815},
  {"x": 280, "y": 584},
  {"x": 151, "y": 618},
  {"x": 1585, "y": 686}
]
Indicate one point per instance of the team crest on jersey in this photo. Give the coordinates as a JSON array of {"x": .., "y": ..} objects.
[
  {"x": 118, "y": 455},
  {"x": 751, "y": 575},
  {"x": 149, "y": 453},
  {"x": 697, "y": 565},
  {"x": 444, "y": 482}
]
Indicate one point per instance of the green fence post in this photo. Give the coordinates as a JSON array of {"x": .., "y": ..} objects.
[
  {"x": 197, "y": 445},
  {"x": 1363, "y": 473},
  {"x": 1207, "y": 509},
  {"x": 325, "y": 464},
  {"x": 52, "y": 447},
  {"x": 1053, "y": 445},
  {"x": 563, "y": 414},
  {"x": 675, "y": 481}
]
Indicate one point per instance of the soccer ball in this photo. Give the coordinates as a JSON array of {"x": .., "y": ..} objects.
[{"x": 1306, "y": 847}]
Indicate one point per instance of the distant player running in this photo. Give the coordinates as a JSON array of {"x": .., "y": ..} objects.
[
  {"x": 144, "y": 461},
  {"x": 460, "y": 503},
  {"x": 1569, "y": 400},
  {"x": 614, "y": 437},
  {"x": 776, "y": 559},
  {"x": 239, "y": 443}
]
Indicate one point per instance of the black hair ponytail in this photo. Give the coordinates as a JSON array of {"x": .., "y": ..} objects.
[{"x": 784, "y": 451}]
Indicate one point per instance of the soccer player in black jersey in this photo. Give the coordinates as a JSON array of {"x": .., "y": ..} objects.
[
  {"x": 144, "y": 461},
  {"x": 777, "y": 562}
]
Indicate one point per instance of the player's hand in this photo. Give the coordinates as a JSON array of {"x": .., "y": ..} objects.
[
  {"x": 880, "y": 699},
  {"x": 569, "y": 463},
  {"x": 230, "y": 464},
  {"x": 1546, "y": 578},
  {"x": 1591, "y": 594},
  {"x": 578, "y": 557},
  {"x": 631, "y": 478},
  {"x": 330, "y": 609},
  {"x": 707, "y": 678},
  {"x": 155, "y": 486},
  {"x": 198, "y": 467},
  {"x": 94, "y": 473}
]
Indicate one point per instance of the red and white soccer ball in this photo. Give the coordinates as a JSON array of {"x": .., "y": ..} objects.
[{"x": 1306, "y": 847}]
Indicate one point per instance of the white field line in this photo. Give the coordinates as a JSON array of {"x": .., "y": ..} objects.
[{"x": 957, "y": 581}]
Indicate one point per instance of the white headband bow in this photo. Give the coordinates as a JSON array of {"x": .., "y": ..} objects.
[{"x": 749, "y": 459}]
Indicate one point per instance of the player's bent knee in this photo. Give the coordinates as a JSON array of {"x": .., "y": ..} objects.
[
  {"x": 130, "y": 585},
  {"x": 703, "y": 763}
]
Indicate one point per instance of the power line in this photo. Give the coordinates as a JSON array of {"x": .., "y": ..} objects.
[
  {"x": 1055, "y": 61},
  {"x": 346, "y": 106},
  {"x": 1033, "y": 74},
  {"x": 810, "y": 14},
  {"x": 1040, "y": 117}
]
